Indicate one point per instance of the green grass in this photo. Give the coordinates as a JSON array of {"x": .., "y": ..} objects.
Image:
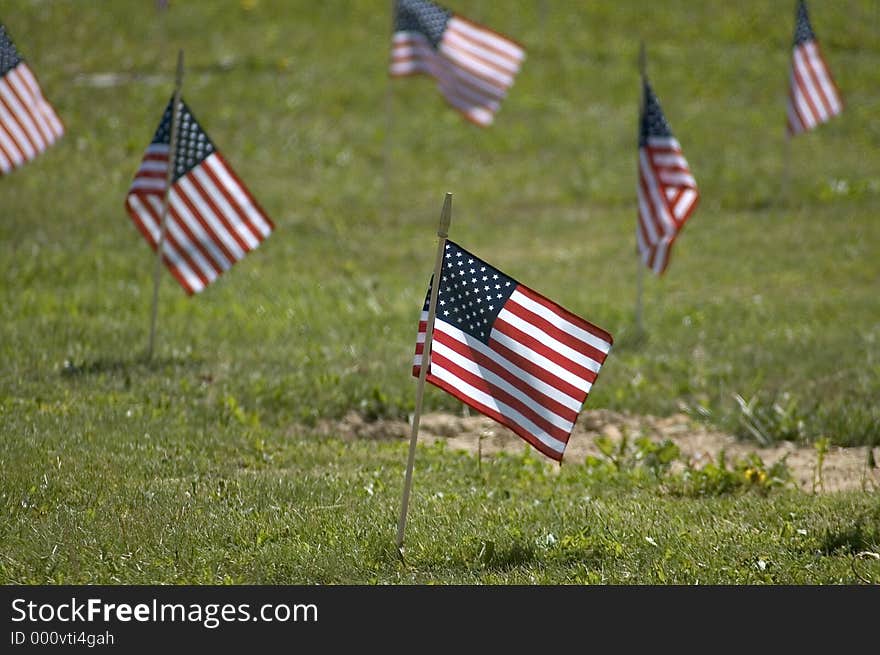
[{"x": 200, "y": 467}]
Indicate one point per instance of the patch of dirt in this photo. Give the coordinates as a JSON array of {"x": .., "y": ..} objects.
[{"x": 842, "y": 469}]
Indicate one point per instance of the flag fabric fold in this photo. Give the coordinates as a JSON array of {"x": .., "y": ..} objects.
[
  {"x": 28, "y": 123},
  {"x": 667, "y": 190},
  {"x": 474, "y": 66},
  {"x": 213, "y": 220},
  {"x": 509, "y": 352},
  {"x": 813, "y": 96}
]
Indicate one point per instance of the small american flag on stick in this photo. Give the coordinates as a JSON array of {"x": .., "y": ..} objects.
[
  {"x": 667, "y": 191},
  {"x": 28, "y": 123},
  {"x": 813, "y": 96},
  {"x": 473, "y": 65},
  {"x": 509, "y": 352},
  {"x": 213, "y": 220}
]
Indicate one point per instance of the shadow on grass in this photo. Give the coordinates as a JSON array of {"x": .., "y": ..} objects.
[{"x": 136, "y": 364}]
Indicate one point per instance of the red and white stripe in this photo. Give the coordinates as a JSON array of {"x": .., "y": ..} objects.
[
  {"x": 667, "y": 195},
  {"x": 28, "y": 123},
  {"x": 213, "y": 220},
  {"x": 813, "y": 96},
  {"x": 474, "y": 66},
  {"x": 533, "y": 376}
]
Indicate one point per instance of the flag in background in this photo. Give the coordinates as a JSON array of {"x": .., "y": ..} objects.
[
  {"x": 28, "y": 124},
  {"x": 667, "y": 191},
  {"x": 509, "y": 352},
  {"x": 813, "y": 97},
  {"x": 213, "y": 220},
  {"x": 473, "y": 65}
]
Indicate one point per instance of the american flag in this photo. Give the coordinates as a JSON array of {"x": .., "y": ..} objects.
[
  {"x": 213, "y": 220},
  {"x": 813, "y": 97},
  {"x": 667, "y": 191},
  {"x": 28, "y": 123},
  {"x": 473, "y": 65},
  {"x": 509, "y": 352}
]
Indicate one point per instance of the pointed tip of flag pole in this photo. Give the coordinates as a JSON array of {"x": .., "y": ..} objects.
[{"x": 445, "y": 216}]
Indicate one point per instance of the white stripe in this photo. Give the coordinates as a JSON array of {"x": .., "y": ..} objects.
[
  {"x": 24, "y": 145},
  {"x": 24, "y": 116},
  {"x": 548, "y": 365},
  {"x": 646, "y": 215},
  {"x": 49, "y": 111},
  {"x": 189, "y": 246},
  {"x": 671, "y": 159},
  {"x": 497, "y": 381},
  {"x": 803, "y": 109},
  {"x": 230, "y": 213},
  {"x": 9, "y": 146},
  {"x": 505, "y": 410},
  {"x": 35, "y": 104},
  {"x": 466, "y": 61},
  {"x": 476, "y": 50},
  {"x": 536, "y": 383},
  {"x": 665, "y": 142},
  {"x": 153, "y": 166},
  {"x": 201, "y": 235},
  {"x": 549, "y": 341},
  {"x": 184, "y": 190},
  {"x": 494, "y": 40},
  {"x": 810, "y": 90},
  {"x": 824, "y": 78},
  {"x": 148, "y": 184},
  {"x": 560, "y": 322},
  {"x": 168, "y": 250},
  {"x": 677, "y": 178},
  {"x": 658, "y": 202},
  {"x": 685, "y": 202},
  {"x": 238, "y": 195}
]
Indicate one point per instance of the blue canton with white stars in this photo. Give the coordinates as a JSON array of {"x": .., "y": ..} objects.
[
  {"x": 472, "y": 293},
  {"x": 803, "y": 31},
  {"x": 653, "y": 121},
  {"x": 193, "y": 145},
  {"x": 9, "y": 57},
  {"x": 422, "y": 16}
]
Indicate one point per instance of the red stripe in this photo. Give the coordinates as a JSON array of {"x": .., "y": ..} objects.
[
  {"x": 136, "y": 219},
  {"x": 551, "y": 330},
  {"x": 492, "y": 365},
  {"x": 246, "y": 192},
  {"x": 500, "y": 418},
  {"x": 805, "y": 94},
  {"x": 499, "y": 394},
  {"x": 814, "y": 76},
  {"x": 654, "y": 217},
  {"x": 212, "y": 234},
  {"x": 31, "y": 106},
  {"x": 6, "y": 153},
  {"x": 487, "y": 45},
  {"x": 488, "y": 30},
  {"x": 34, "y": 85},
  {"x": 32, "y": 136},
  {"x": 536, "y": 346},
  {"x": 462, "y": 66},
  {"x": 564, "y": 313},
  {"x": 793, "y": 93},
  {"x": 195, "y": 211},
  {"x": 199, "y": 243},
  {"x": 828, "y": 71},
  {"x": 238, "y": 209},
  {"x": 182, "y": 253},
  {"x": 17, "y": 141},
  {"x": 475, "y": 57}
]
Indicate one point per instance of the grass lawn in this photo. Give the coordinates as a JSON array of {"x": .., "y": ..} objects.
[{"x": 202, "y": 466}]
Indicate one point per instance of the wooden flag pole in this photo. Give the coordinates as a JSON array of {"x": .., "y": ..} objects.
[
  {"x": 640, "y": 327},
  {"x": 389, "y": 123},
  {"x": 442, "y": 233},
  {"x": 786, "y": 170},
  {"x": 169, "y": 177}
]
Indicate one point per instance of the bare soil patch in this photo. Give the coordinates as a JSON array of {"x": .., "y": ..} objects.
[{"x": 842, "y": 469}]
